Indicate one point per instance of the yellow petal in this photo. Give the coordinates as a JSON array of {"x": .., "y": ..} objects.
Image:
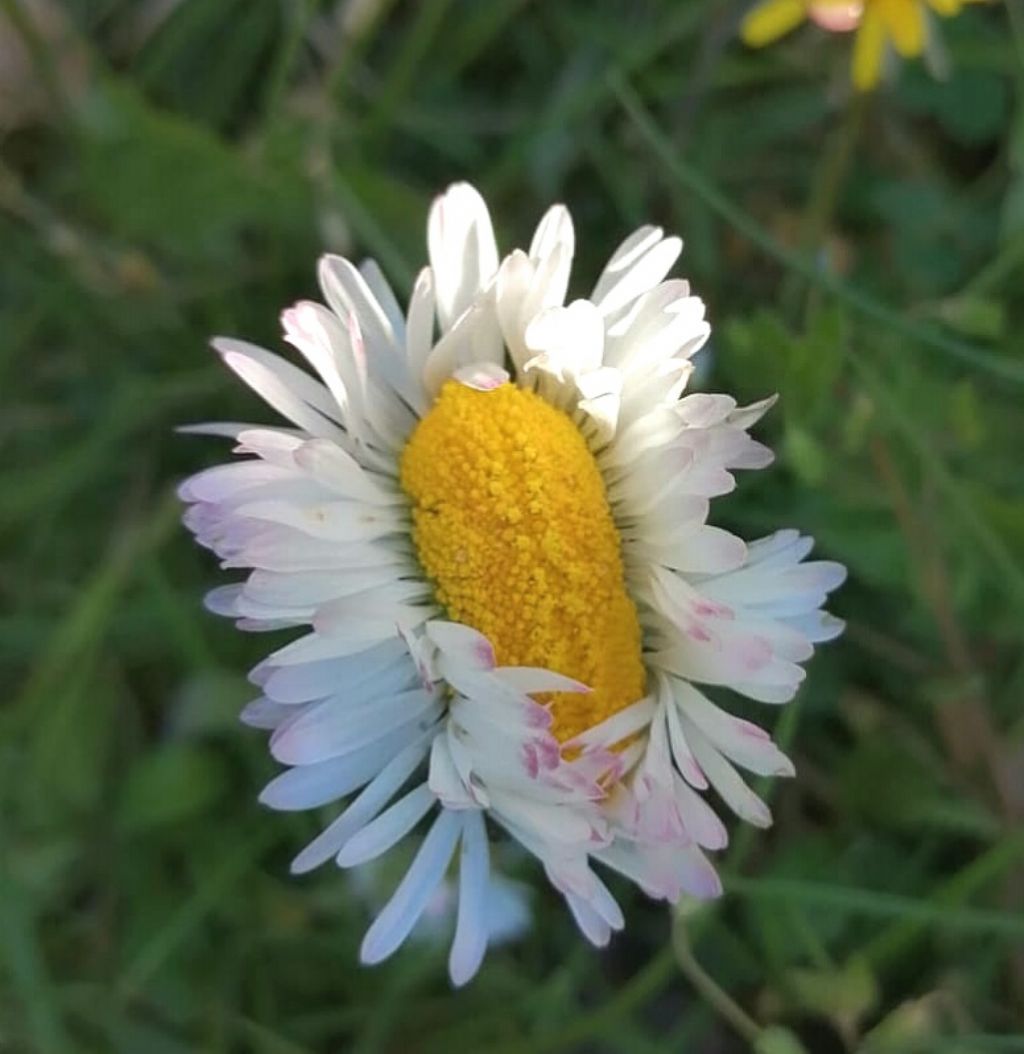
[
  {"x": 771, "y": 20},
  {"x": 946, "y": 8},
  {"x": 868, "y": 49},
  {"x": 904, "y": 23}
]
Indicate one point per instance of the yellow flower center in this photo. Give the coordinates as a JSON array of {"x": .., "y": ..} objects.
[{"x": 512, "y": 526}]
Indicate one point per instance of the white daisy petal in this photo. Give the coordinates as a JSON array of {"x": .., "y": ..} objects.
[
  {"x": 708, "y": 550},
  {"x": 727, "y": 781},
  {"x": 224, "y": 429},
  {"x": 600, "y": 401},
  {"x": 316, "y": 680},
  {"x": 634, "y": 274},
  {"x": 316, "y": 333},
  {"x": 307, "y": 588},
  {"x": 474, "y": 339},
  {"x": 373, "y": 615},
  {"x": 349, "y": 295},
  {"x": 526, "y": 287},
  {"x": 619, "y": 726},
  {"x": 472, "y": 926},
  {"x": 385, "y": 296},
  {"x": 481, "y": 376},
  {"x": 682, "y": 755},
  {"x": 314, "y": 647},
  {"x": 463, "y": 253},
  {"x": 278, "y": 384},
  {"x": 817, "y": 626},
  {"x": 222, "y": 482},
  {"x": 400, "y": 914},
  {"x": 697, "y": 876},
  {"x": 374, "y": 796},
  {"x": 662, "y": 324},
  {"x": 446, "y": 781},
  {"x": 591, "y": 925},
  {"x": 265, "y": 713},
  {"x": 701, "y": 821},
  {"x": 272, "y": 444},
  {"x": 529, "y": 679},
  {"x": 310, "y": 786},
  {"x": 381, "y": 833},
  {"x": 462, "y": 643},
  {"x": 419, "y": 329},
  {"x": 554, "y": 233},
  {"x": 330, "y": 729},
  {"x": 567, "y": 342},
  {"x": 632, "y": 248},
  {"x": 334, "y": 468},
  {"x": 654, "y": 870}
]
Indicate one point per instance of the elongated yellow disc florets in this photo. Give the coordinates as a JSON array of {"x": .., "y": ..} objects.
[{"x": 512, "y": 526}]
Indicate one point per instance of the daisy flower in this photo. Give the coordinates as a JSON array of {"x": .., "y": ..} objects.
[
  {"x": 901, "y": 24},
  {"x": 489, "y": 514}
]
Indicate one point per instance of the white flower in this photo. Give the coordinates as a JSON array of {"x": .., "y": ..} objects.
[{"x": 490, "y": 514}]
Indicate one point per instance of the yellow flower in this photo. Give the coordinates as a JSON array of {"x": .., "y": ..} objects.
[{"x": 903, "y": 23}]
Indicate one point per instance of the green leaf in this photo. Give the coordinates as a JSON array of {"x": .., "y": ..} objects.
[
  {"x": 155, "y": 179},
  {"x": 908, "y": 1026},
  {"x": 210, "y": 701},
  {"x": 844, "y": 996},
  {"x": 171, "y": 785},
  {"x": 966, "y": 415},
  {"x": 778, "y": 1040},
  {"x": 805, "y": 455},
  {"x": 1011, "y": 222},
  {"x": 971, "y": 105},
  {"x": 974, "y": 316}
]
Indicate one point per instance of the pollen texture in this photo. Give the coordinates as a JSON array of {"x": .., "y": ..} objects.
[{"x": 512, "y": 526}]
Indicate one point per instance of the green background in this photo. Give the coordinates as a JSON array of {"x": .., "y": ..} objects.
[{"x": 172, "y": 171}]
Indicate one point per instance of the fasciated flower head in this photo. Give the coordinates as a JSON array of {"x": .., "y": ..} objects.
[{"x": 489, "y": 516}]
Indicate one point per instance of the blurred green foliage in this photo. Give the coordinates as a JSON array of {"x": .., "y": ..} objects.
[{"x": 172, "y": 170}]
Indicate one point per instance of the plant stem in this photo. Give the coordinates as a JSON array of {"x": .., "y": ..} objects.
[
  {"x": 847, "y": 293},
  {"x": 709, "y": 989}
]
